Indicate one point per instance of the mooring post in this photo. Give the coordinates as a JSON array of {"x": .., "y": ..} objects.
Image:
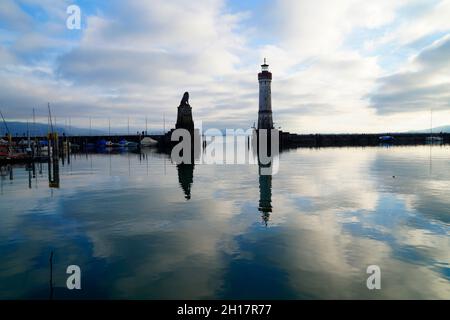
[
  {"x": 49, "y": 145},
  {"x": 51, "y": 275},
  {"x": 49, "y": 157},
  {"x": 56, "y": 144},
  {"x": 68, "y": 150}
]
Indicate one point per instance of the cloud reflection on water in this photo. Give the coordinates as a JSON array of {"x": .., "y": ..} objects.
[{"x": 335, "y": 211}]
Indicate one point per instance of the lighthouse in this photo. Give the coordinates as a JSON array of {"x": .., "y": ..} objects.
[{"x": 265, "y": 120}]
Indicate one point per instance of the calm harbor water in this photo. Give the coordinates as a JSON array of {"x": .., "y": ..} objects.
[{"x": 141, "y": 227}]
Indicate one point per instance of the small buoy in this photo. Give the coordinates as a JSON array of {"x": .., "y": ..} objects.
[{"x": 393, "y": 177}]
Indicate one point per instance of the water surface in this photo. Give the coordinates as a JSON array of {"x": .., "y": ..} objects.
[{"x": 141, "y": 227}]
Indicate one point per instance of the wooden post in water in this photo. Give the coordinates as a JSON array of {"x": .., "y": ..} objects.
[
  {"x": 51, "y": 275},
  {"x": 62, "y": 151},
  {"x": 68, "y": 150},
  {"x": 55, "y": 152},
  {"x": 49, "y": 160}
]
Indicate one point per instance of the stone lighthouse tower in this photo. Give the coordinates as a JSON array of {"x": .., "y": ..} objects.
[{"x": 265, "y": 120}]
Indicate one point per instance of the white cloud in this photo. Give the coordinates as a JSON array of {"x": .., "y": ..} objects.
[
  {"x": 312, "y": 28},
  {"x": 429, "y": 20},
  {"x": 12, "y": 15},
  {"x": 140, "y": 56},
  {"x": 424, "y": 85}
]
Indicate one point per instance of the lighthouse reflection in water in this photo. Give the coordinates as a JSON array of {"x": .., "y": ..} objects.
[{"x": 265, "y": 196}]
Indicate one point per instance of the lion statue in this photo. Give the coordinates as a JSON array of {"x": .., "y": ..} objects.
[{"x": 185, "y": 100}]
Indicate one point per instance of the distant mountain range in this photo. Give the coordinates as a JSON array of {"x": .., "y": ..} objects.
[
  {"x": 20, "y": 129},
  {"x": 444, "y": 129},
  {"x": 40, "y": 129}
]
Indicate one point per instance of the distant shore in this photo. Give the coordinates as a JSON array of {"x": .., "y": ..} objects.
[
  {"x": 330, "y": 140},
  {"x": 292, "y": 140}
]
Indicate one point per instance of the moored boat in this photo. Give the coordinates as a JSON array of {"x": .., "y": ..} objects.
[
  {"x": 434, "y": 139},
  {"x": 386, "y": 138},
  {"x": 148, "y": 142},
  {"x": 131, "y": 144}
]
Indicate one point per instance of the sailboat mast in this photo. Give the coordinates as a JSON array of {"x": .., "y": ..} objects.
[
  {"x": 4, "y": 121},
  {"x": 50, "y": 117},
  {"x": 431, "y": 122},
  {"x": 28, "y": 133},
  {"x": 34, "y": 124}
]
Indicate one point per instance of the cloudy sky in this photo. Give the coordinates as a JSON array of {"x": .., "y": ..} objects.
[{"x": 338, "y": 66}]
